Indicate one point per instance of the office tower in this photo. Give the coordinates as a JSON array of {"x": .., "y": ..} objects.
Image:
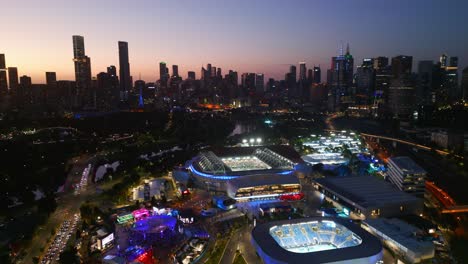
[
  {"x": 140, "y": 87},
  {"x": 124, "y": 71},
  {"x": 13, "y": 78},
  {"x": 464, "y": 83},
  {"x": 401, "y": 66},
  {"x": 112, "y": 70},
  {"x": 406, "y": 175},
  {"x": 317, "y": 74},
  {"x": 380, "y": 63},
  {"x": 191, "y": 75},
  {"x": 365, "y": 77},
  {"x": 3, "y": 75},
  {"x": 213, "y": 72},
  {"x": 51, "y": 78},
  {"x": 424, "y": 93},
  {"x": 310, "y": 75},
  {"x": 302, "y": 71},
  {"x": 219, "y": 73},
  {"x": 292, "y": 71},
  {"x": 233, "y": 77},
  {"x": 451, "y": 80},
  {"x": 248, "y": 81},
  {"x": 82, "y": 72},
  {"x": 443, "y": 60},
  {"x": 259, "y": 83},
  {"x": 341, "y": 79},
  {"x": 163, "y": 76},
  {"x": 208, "y": 70},
  {"x": 175, "y": 71},
  {"x": 25, "y": 81},
  {"x": 401, "y": 98}
]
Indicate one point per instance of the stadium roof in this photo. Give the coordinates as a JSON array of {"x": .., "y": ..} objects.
[
  {"x": 283, "y": 150},
  {"x": 370, "y": 245},
  {"x": 264, "y": 179},
  {"x": 407, "y": 165},
  {"x": 367, "y": 191}
]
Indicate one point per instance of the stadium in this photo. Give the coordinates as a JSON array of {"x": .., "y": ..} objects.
[
  {"x": 315, "y": 240},
  {"x": 247, "y": 173}
]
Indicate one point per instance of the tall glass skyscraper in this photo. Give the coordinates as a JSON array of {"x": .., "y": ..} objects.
[{"x": 125, "y": 82}]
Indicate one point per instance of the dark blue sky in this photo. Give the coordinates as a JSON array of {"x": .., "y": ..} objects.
[{"x": 244, "y": 35}]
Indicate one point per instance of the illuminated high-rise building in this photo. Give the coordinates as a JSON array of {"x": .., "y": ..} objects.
[
  {"x": 341, "y": 79},
  {"x": 125, "y": 80},
  {"x": 464, "y": 83}
]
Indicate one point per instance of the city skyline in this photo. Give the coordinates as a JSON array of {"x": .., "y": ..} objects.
[{"x": 261, "y": 37}]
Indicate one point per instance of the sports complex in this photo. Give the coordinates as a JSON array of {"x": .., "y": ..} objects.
[
  {"x": 247, "y": 173},
  {"x": 316, "y": 240}
]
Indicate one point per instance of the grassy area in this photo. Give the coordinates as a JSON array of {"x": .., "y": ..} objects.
[{"x": 239, "y": 259}]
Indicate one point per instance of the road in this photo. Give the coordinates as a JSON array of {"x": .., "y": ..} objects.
[
  {"x": 67, "y": 205},
  {"x": 240, "y": 241}
]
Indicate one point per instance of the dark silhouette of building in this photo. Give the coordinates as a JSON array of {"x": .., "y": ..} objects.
[
  {"x": 163, "y": 74},
  {"x": 124, "y": 71},
  {"x": 13, "y": 79},
  {"x": 424, "y": 92},
  {"x": 3, "y": 75},
  {"x": 401, "y": 98},
  {"x": 317, "y": 74},
  {"x": 464, "y": 83},
  {"x": 302, "y": 71},
  {"x": 191, "y": 75},
  {"x": 401, "y": 66},
  {"x": 82, "y": 62},
  {"x": 175, "y": 71},
  {"x": 365, "y": 77},
  {"x": 259, "y": 83}
]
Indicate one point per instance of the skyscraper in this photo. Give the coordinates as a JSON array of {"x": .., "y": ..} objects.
[
  {"x": 365, "y": 82},
  {"x": 259, "y": 83},
  {"x": 401, "y": 66},
  {"x": 424, "y": 93},
  {"x": 310, "y": 75},
  {"x": 464, "y": 83},
  {"x": 125, "y": 81},
  {"x": 51, "y": 78},
  {"x": 13, "y": 78},
  {"x": 302, "y": 71},
  {"x": 163, "y": 75},
  {"x": 317, "y": 74},
  {"x": 3, "y": 75},
  {"x": 191, "y": 75},
  {"x": 380, "y": 63},
  {"x": 341, "y": 79},
  {"x": 82, "y": 72},
  {"x": 175, "y": 71}
]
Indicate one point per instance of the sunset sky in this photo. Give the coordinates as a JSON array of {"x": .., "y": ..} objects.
[{"x": 244, "y": 35}]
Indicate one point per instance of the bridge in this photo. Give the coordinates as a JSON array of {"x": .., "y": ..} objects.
[
  {"x": 449, "y": 205},
  {"x": 409, "y": 143}
]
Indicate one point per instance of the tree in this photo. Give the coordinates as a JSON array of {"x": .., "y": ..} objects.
[{"x": 68, "y": 256}]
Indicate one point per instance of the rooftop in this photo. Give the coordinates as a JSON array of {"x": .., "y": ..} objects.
[
  {"x": 407, "y": 165},
  {"x": 401, "y": 232},
  {"x": 367, "y": 191}
]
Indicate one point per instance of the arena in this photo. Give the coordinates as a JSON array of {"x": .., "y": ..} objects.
[
  {"x": 315, "y": 240},
  {"x": 247, "y": 173}
]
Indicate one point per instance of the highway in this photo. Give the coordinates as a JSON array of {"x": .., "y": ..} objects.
[
  {"x": 240, "y": 241},
  {"x": 68, "y": 204}
]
